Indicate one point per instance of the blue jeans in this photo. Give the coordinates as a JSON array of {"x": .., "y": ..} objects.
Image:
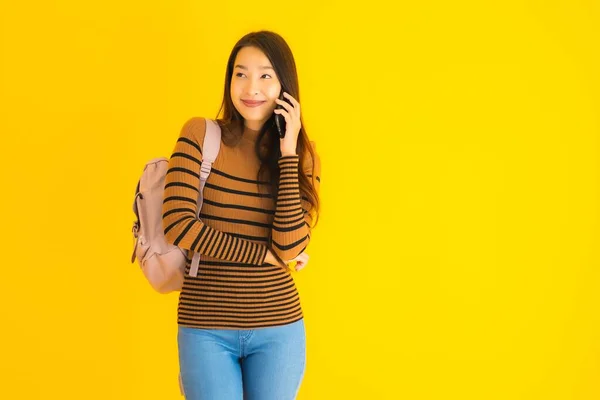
[{"x": 250, "y": 364}]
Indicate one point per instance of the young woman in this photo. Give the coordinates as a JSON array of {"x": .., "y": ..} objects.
[{"x": 240, "y": 322}]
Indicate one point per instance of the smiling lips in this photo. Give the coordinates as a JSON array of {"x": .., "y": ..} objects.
[{"x": 252, "y": 103}]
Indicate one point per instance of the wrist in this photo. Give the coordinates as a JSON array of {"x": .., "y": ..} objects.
[
  {"x": 269, "y": 259},
  {"x": 288, "y": 153}
]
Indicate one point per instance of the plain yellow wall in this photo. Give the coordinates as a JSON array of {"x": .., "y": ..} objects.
[{"x": 457, "y": 252}]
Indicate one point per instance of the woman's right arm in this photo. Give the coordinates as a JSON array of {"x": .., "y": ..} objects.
[{"x": 180, "y": 225}]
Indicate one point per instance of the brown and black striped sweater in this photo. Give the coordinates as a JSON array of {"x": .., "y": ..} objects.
[{"x": 234, "y": 288}]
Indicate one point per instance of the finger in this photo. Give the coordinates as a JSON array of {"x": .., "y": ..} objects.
[
  {"x": 293, "y": 100},
  {"x": 294, "y": 103},
  {"x": 285, "y": 114},
  {"x": 285, "y": 104},
  {"x": 300, "y": 266},
  {"x": 303, "y": 257}
]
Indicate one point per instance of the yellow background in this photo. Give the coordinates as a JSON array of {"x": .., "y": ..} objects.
[{"x": 457, "y": 254}]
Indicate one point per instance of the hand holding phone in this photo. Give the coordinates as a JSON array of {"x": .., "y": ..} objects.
[{"x": 280, "y": 119}]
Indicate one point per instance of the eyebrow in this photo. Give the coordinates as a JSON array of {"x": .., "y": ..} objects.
[{"x": 244, "y": 67}]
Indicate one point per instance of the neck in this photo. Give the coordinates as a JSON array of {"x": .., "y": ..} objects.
[{"x": 250, "y": 134}]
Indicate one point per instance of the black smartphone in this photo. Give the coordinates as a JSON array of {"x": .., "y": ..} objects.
[{"x": 280, "y": 119}]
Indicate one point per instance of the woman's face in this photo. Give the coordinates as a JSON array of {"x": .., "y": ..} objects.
[{"x": 254, "y": 80}]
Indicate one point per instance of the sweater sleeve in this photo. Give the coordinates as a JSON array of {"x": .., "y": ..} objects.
[
  {"x": 181, "y": 225},
  {"x": 291, "y": 230}
]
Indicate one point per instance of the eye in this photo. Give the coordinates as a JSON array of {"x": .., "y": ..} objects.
[{"x": 239, "y": 74}]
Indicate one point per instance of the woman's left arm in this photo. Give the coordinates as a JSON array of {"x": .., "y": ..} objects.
[
  {"x": 291, "y": 230},
  {"x": 290, "y": 233}
]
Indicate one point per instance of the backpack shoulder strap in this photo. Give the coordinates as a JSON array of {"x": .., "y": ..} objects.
[
  {"x": 210, "y": 150},
  {"x": 210, "y": 147}
]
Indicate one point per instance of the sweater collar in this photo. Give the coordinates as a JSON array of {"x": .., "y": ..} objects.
[{"x": 250, "y": 134}]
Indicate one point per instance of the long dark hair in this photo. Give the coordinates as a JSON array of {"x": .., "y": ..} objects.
[{"x": 267, "y": 146}]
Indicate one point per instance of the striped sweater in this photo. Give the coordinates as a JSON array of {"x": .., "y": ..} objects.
[{"x": 235, "y": 288}]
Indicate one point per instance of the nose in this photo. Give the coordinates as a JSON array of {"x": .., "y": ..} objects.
[
  {"x": 252, "y": 88},
  {"x": 252, "y": 91}
]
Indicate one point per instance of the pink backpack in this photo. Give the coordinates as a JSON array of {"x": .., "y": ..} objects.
[{"x": 162, "y": 263}]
